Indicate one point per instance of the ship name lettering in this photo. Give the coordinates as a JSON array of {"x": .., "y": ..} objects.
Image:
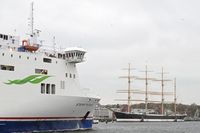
[{"x": 84, "y": 104}]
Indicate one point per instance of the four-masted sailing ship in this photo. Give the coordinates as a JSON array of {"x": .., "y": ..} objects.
[{"x": 147, "y": 115}]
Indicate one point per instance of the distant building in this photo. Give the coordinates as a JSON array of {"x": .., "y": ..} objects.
[{"x": 103, "y": 113}]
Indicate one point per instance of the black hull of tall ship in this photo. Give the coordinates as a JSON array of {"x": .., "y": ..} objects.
[{"x": 129, "y": 117}]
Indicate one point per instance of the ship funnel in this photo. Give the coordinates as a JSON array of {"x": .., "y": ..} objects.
[{"x": 74, "y": 55}]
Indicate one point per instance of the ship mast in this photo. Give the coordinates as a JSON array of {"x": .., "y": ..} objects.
[
  {"x": 129, "y": 88},
  {"x": 146, "y": 78},
  {"x": 33, "y": 33},
  {"x": 31, "y": 20},
  {"x": 129, "y": 77},
  {"x": 175, "y": 99},
  {"x": 162, "y": 89}
]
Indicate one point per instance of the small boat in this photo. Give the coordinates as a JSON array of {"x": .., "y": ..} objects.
[{"x": 28, "y": 47}]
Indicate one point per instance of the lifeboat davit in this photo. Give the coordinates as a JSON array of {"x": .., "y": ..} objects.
[{"x": 31, "y": 48}]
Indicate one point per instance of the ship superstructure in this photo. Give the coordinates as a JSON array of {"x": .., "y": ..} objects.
[{"x": 40, "y": 88}]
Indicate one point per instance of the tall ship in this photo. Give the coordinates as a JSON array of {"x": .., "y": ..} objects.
[
  {"x": 147, "y": 114},
  {"x": 40, "y": 88}
]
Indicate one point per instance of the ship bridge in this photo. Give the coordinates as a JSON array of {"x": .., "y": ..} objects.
[{"x": 74, "y": 55}]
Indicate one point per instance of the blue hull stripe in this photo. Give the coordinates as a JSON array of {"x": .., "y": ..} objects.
[{"x": 58, "y": 125}]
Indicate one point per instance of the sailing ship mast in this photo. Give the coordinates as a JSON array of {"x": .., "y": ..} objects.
[
  {"x": 146, "y": 78},
  {"x": 162, "y": 88},
  {"x": 129, "y": 77},
  {"x": 129, "y": 88},
  {"x": 175, "y": 99}
]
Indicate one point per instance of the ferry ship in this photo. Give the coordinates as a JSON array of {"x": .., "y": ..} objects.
[{"x": 40, "y": 88}]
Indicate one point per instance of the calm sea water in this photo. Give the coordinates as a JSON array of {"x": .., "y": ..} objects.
[{"x": 145, "y": 127}]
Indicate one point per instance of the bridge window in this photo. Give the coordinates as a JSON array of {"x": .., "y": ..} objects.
[
  {"x": 5, "y": 37},
  {"x": 63, "y": 56}
]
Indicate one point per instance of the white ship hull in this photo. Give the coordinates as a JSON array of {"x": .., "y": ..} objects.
[{"x": 57, "y": 113}]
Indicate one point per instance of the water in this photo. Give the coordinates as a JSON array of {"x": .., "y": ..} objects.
[{"x": 145, "y": 127}]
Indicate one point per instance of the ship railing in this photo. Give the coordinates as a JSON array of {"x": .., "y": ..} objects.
[{"x": 46, "y": 50}]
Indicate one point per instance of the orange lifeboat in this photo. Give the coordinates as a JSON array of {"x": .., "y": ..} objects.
[{"x": 29, "y": 47}]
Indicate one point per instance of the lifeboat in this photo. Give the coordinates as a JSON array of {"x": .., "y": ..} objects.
[{"x": 31, "y": 48}]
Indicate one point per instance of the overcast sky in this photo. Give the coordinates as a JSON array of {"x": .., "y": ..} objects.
[{"x": 117, "y": 32}]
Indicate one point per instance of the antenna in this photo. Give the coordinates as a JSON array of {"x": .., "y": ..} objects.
[
  {"x": 54, "y": 44},
  {"x": 31, "y": 20}
]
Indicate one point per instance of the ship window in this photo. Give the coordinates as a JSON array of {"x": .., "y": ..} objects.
[
  {"x": 11, "y": 55},
  {"x": 27, "y": 58},
  {"x": 6, "y": 67},
  {"x": 63, "y": 56},
  {"x": 42, "y": 88},
  {"x": 47, "y": 88},
  {"x": 3, "y": 54},
  {"x": 20, "y": 56},
  {"x": 53, "y": 89},
  {"x": 59, "y": 55},
  {"x": 5, "y": 37},
  {"x": 66, "y": 74},
  {"x": 47, "y": 60},
  {"x": 13, "y": 41},
  {"x": 70, "y": 75},
  {"x": 74, "y": 76},
  {"x": 62, "y": 84},
  {"x": 41, "y": 71},
  {"x": 1, "y": 36},
  {"x": 35, "y": 58}
]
